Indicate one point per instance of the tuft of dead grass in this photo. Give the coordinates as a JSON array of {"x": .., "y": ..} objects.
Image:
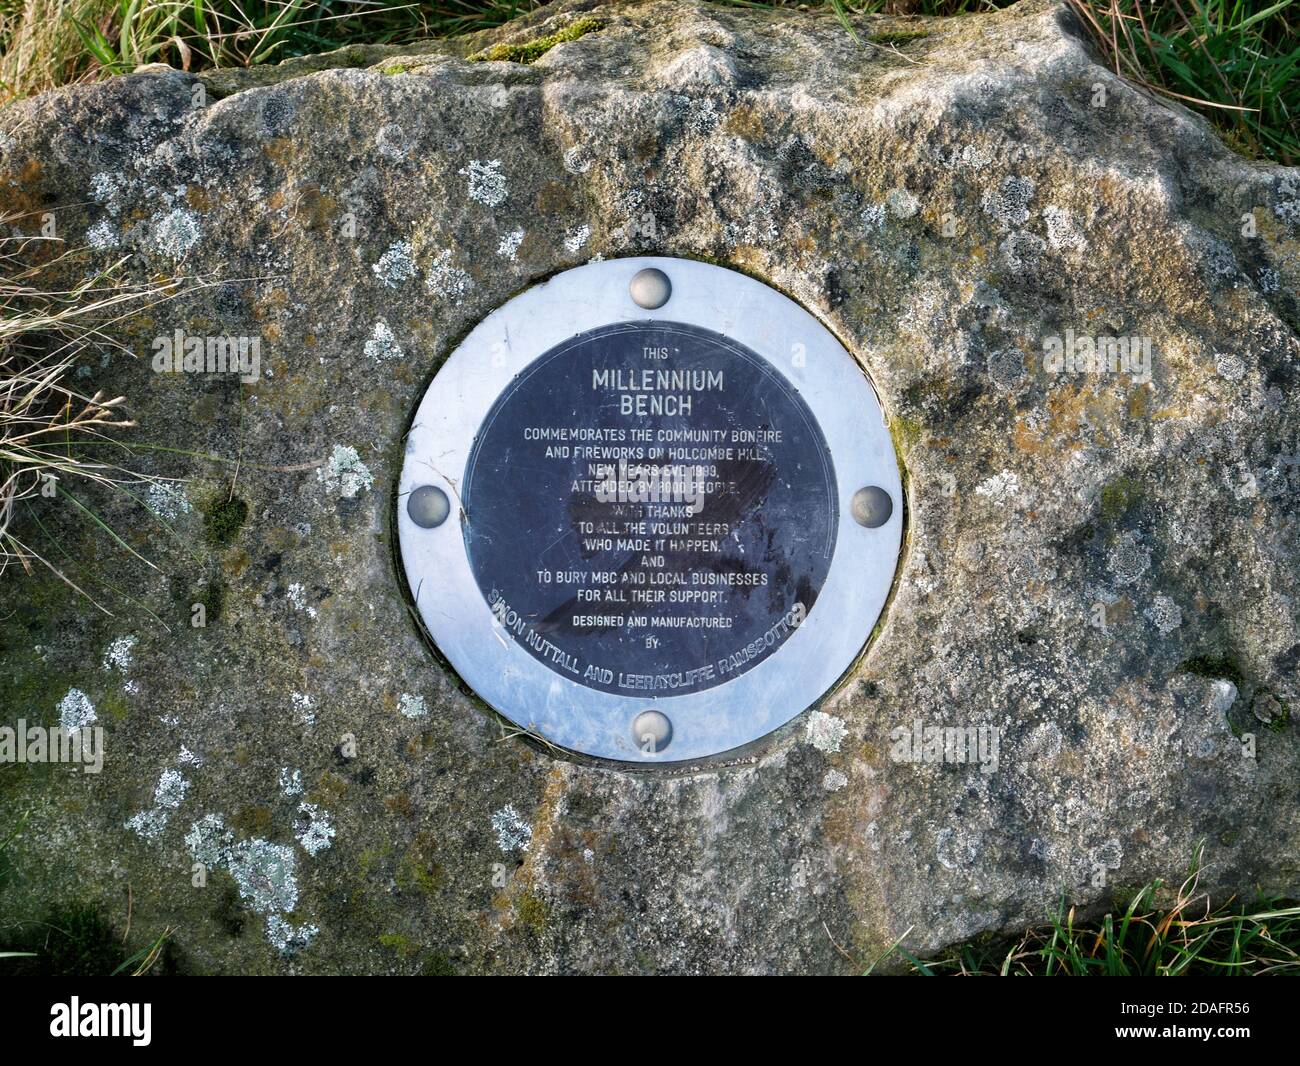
[{"x": 51, "y": 431}]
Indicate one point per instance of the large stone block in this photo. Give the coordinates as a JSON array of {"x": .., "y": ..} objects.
[{"x": 1077, "y": 306}]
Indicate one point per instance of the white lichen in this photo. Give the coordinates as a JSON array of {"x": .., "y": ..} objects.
[
  {"x": 106, "y": 190},
  {"x": 1008, "y": 204},
  {"x": 302, "y": 707},
  {"x": 1164, "y": 614},
  {"x": 297, "y": 596},
  {"x": 120, "y": 653},
  {"x": 266, "y": 874},
  {"x": 391, "y": 141},
  {"x": 508, "y": 248},
  {"x": 513, "y": 833},
  {"x": 382, "y": 347},
  {"x": 825, "y": 732},
  {"x": 901, "y": 203},
  {"x": 1062, "y": 233},
  {"x": 102, "y": 236},
  {"x": 412, "y": 706},
  {"x": 76, "y": 711},
  {"x": 345, "y": 473},
  {"x": 171, "y": 789},
  {"x": 167, "y": 500},
  {"x": 445, "y": 281},
  {"x": 1022, "y": 251},
  {"x": 209, "y": 841},
  {"x": 834, "y": 781},
  {"x": 702, "y": 115},
  {"x": 313, "y": 828},
  {"x": 148, "y": 824},
  {"x": 168, "y": 794},
  {"x": 1001, "y": 489},
  {"x": 576, "y": 238},
  {"x": 576, "y": 159},
  {"x": 1006, "y": 366},
  {"x": 1229, "y": 365},
  {"x": 290, "y": 782},
  {"x": 1223, "y": 694},
  {"x": 1129, "y": 559},
  {"x": 485, "y": 182},
  {"x": 288, "y": 939},
  {"x": 175, "y": 232},
  {"x": 396, "y": 265}
]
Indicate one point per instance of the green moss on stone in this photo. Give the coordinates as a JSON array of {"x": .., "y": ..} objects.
[
  {"x": 531, "y": 51},
  {"x": 114, "y": 706},
  {"x": 1118, "y": 497},
  {"x": 251, "y": 821},
  {"x": 213, "y": 598},
  {"x": 398, "y": 943},
  {"x": 532, "y": 912},
  {"x": 904, "y": 432},
  {"x": 438, "y": 964},
  {"x": 223, "y": 519},
  {"x": 418, "y": 869},
  {"x": 1215, "y": 668}
]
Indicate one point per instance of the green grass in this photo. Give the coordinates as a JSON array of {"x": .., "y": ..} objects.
[
  {"x": 1237, "y": 62},
  {"x": 76, "y": 941},
  {"x": 47, "y": 43},
  {"x": 1187, "y": 936}
]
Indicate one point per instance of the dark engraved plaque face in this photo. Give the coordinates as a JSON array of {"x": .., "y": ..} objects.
[{"x": 651, "y": 509}]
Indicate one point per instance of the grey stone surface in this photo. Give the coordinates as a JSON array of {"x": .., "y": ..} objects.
[{"x": 1100, "y": 566}]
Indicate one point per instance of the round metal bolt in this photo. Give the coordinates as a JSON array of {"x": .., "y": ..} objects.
[
  {"x": 872, "y": 507},
  {"x": 428, "y": 506},
  {"x": 650, "y": 288},
  {"x": 652, "y": 731}
]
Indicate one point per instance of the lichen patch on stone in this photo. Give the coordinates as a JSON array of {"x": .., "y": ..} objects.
[
  {"x": 513, "y": 833},
  {"x": 344, "y": 473},
  {"x": 382, "y": 347},
  {"x": 825, "y": 732},
  {"x": 485, "y": 182},
  {"x": 167, "y": 500},
  {"x": 396, "y": 266},
  {"x": 120, "y": 653},
  {"x": 313, "y": 828},
  {"x": 412, "y": 706},
  {"x": 75, "y": 710},
  {"x": 508, "y": 248}
]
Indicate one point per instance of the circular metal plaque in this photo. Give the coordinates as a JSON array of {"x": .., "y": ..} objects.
[{"x": 676, "y": 512}]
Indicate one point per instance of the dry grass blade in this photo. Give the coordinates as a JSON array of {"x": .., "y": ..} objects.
[{"x": 45, "y": 420}]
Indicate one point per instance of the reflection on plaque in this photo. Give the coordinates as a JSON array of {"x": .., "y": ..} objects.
[{"x": 657, "y": 555}]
